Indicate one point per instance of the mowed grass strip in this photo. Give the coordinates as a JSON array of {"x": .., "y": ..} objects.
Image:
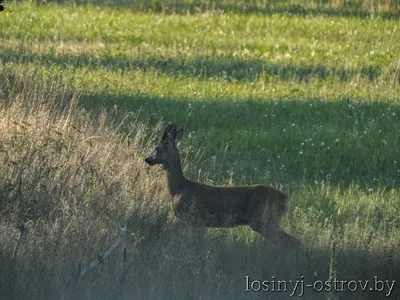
[{"x": 329, "y": 41}]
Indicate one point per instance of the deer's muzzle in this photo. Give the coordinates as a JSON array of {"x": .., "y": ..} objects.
[{"x": 149, "y": 161}]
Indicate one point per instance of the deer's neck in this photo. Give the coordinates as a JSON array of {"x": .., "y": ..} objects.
[{"x": 175, "y": 176}]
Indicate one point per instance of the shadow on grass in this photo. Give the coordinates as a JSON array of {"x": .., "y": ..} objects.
[
  {"x": 348, "y": 9},
  {"x": 230, "y": 69},
  {"x": 340, "y": 141},
  {"x": 285, "y": 140},
  {"x": 187, "y": 263}
]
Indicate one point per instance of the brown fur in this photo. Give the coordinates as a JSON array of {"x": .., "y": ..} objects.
[{"x": 259, "y": 206}]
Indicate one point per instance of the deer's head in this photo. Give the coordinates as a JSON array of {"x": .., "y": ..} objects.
[{"x": 166, "y": 147}]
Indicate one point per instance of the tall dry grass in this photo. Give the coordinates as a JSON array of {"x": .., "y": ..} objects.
[{"x": 74, "y": 179}]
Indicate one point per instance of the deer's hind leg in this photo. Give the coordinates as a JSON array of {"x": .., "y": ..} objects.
[
  {"x": 266, "y": 222},
  {"x": 287, "y": 239}
]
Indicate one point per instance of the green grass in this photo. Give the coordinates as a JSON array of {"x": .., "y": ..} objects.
[{"x": 300, "y": 95}]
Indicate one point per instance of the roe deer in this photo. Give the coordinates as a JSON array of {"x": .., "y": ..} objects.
[{"x": 259, "y": 206}]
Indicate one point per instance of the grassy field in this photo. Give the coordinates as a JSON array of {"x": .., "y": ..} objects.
[{"x": 301, "y": 95}]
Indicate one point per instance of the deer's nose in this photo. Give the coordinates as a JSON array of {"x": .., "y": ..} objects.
[{"x": 149, "y": 161}]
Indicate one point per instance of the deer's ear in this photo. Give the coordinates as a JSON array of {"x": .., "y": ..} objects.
[
  {"x": 168, "y": 133},
  {"x": 173, "y": 133},
  {"x": 178, "y": 133}
]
